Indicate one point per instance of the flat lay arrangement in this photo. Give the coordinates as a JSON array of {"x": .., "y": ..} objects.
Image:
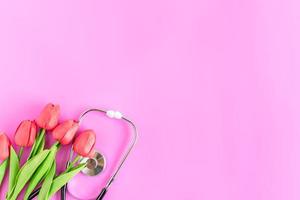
[{"x": 38, "y": 176}]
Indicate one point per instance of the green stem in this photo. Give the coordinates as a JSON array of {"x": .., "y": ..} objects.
[
  {"x": 38, "y": 143},
  {"x": 57, "y": 144},
  {"x": 20, "y": 152},
  {"x": 73, "y": 162}
]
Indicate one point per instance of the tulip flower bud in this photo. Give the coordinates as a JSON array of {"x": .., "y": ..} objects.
[
  {"x": 84, "y": 143},
  {"x": 65, "y": 131},
  {"x": 25, "y": 133},
  {"x": 4, "y": 146},
  {"x": 48, "y": 119}
]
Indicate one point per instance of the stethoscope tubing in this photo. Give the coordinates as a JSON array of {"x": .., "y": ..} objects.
[
  {"x": 115, "y": 115},
  {"x": 110, "y": 114}
]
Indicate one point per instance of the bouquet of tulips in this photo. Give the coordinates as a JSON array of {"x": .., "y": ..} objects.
[{"x": 40, "y": 166}]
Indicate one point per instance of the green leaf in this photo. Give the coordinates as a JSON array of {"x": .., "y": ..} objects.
[
  {"x": 3, "y": 169},
  {"x": 41, "y": 172},
  {"x": 38, "y": 144},
  {"x": 13, "y": 169},
  {"x": 62, "y": 179},
  {"x": 26, "y": 172},
  {"x": 44, "y": 192}
]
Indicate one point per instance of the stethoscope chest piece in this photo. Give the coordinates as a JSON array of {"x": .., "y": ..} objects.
[{"x": 95, "y": 165}]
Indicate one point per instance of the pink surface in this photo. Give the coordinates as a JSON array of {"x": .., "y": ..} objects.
[{"x": 213, "y": 86}]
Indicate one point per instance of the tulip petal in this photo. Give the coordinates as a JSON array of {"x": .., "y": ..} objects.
[
  {"x": 91, "y": 153},
  {"x": 69, "y": 135},
  {"x": 84, "y": 143},
  {"x": 59, "y": 131},
  {"x": 25, "y": 133},
  {"x": 33, "y": 132},
  {"x": 4, "y": 146},
  {"x": 65, "y": 131},
  {"x": 48, "y": 119}
]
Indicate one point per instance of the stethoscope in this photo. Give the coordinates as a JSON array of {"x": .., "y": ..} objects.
[{"x": 98, "y": 159}]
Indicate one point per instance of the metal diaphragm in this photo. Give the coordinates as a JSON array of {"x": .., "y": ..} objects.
[{"x": 94, "y": 166}]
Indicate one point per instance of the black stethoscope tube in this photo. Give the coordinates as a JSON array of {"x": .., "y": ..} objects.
[
  {"x": 34, "y": 194},
  {"x": 102, "y": 194}
]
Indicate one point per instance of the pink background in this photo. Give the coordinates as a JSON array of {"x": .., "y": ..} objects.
[{"x": 213, "y": 86}]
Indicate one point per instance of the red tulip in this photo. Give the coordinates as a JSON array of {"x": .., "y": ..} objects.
[
  {"x": 65, "y": 131},
  {"x": 84, "y": 143},
  {"x": 48, "y": 118},
  {"x": 4, "y": 146},
  {"x": 25, "y": 133}
]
